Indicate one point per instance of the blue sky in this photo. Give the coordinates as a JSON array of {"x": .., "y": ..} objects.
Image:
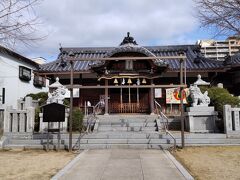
[{"x": 105, "y": 22}]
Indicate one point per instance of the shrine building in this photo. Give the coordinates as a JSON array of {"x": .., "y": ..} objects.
[{"x": 131, "y": 77}]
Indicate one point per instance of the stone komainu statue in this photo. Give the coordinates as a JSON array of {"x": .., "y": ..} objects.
[{"x": 199, "y": 98}]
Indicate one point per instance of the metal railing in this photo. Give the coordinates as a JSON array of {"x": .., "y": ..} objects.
[
  {"x": 91, "y": 117},
  {"x": 164, "y": 121}
]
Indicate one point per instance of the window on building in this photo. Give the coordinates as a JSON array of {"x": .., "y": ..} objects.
[
  {"x": 2, "y": 96},
  {"x": 24, "y": 73},
  {"x": 129, "y": 64},
  {"x": 39, "y": 81}
]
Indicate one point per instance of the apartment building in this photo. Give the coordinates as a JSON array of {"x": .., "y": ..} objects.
[{"x": 219, "y": 49}]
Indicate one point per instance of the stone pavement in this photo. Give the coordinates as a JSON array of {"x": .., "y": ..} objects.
[{"x": 121, "y": 164}]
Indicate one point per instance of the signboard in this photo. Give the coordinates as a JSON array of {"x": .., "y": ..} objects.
[
  {"x": 53, "y": 112},
  {"x": 75, "y": 93},
  {"x": 158, "y": 92},
  {"x": 173, "y": 96}
]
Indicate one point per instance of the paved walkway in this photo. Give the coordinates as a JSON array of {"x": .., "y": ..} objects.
[{"x": 122, "y": 164}]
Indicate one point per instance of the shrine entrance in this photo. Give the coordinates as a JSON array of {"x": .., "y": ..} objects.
[{"x": 129, "y": 100}]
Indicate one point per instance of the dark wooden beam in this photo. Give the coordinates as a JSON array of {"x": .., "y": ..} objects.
[{"x": 140, "y": 86}]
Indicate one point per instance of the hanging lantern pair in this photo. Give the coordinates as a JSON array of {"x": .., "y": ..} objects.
[
  {"x": 129, "y": 81},
  {"x": 123, "y": 81},
  {"x": 138, "y": 81},
  {"x": 115, "y": 81},
  {"x": 144, "y": 81}
]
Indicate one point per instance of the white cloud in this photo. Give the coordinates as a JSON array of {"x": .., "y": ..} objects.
[{"x": 105, "y": 23}]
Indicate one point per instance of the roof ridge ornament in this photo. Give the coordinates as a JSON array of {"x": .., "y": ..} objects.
[
  {"x": 128, "y": 40},
  {"x": 201, "y": 82}
]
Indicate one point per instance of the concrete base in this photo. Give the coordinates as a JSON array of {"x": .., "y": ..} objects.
[{"x": 200, "y": 119}]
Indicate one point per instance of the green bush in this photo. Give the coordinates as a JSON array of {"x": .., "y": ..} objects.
[
  {"x": 77, "y": 120},
  {"x": 42, "y": 97},
  {"x": 220, "y": 97}
]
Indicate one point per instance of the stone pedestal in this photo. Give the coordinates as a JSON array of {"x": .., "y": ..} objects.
[
  {"x": 200, "y": 119},
  {"x": 231, "y": 121}
]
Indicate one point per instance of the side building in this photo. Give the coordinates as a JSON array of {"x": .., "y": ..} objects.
[{"x": 17, "y": 78}]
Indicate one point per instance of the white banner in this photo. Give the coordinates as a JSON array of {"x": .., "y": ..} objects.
[
  {"x": 75, "y": 93},
  {"x": 158, "y": 92}
]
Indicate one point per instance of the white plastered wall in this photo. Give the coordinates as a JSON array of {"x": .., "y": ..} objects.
[{"x": 9, "y": 79}]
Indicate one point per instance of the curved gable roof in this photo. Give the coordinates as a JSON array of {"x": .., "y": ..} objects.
[{"x": 194, "y": 62}]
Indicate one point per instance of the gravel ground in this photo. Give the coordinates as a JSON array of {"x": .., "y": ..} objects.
[
  {"x": 32, "y": 164},
  {"x": 211, "y": 162}
]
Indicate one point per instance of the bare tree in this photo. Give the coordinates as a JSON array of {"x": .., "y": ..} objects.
[
  {"x": 18, "y": 22},
  {"x": 221, "y": 15}
]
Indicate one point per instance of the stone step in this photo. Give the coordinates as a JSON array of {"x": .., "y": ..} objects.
[
  {"x": 116, "y": 135},
  {"x": 126, "y": 116},
  {"x": 23, "y": 146},
  {"x": 25, "y": 141},
  {"x": 121, "y": 146},
  {"x": 199, "y": 135},
  {"x": 33, "y": 146},
  {"x": 125, "y": 140},
  {"x": 53, "y": 136},
  {"x": 124, "y": 128},
  {"x": 129, "y": 125},
  {"x": 130, "y": 134},
  {"x": 152, "y": 134},
  {"x": 117, "y": 128},
  {"x": 124, "y": 121},
  {"x": 154, "y": 141},
  {"x": 137, "y": 124}
]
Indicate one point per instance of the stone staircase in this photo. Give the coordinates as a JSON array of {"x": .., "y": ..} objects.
[
  {"x": 122, "y": 131},
  {"x": 138, "y": 131},
  {"x": 127, "y": 124}
]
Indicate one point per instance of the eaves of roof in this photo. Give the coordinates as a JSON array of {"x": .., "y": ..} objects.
[
  {"x": 194, "y": 62},
  {"x": 9, "y": 52}
]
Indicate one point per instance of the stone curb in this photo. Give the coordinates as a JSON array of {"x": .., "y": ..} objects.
[
  {"x": 68, "y": 166},
  {"x": 3, "y": 141},
  {"x": 179, "y": 166}
]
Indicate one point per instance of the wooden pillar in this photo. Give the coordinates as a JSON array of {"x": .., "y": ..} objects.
[
  {"x": 138, "y": 96},
  {"x": 151, "y": 99},
  {"x": 129, "y": 99},
  {"x": 121, "y": 100},
  {"x": 106, "y": 97},
  {"x": 71, "y": 107},
  {"x": 80, "y": 83},
  {"x": 182, "y": 107}
]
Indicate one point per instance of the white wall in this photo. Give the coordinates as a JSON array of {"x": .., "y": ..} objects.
[{"x": 9, "y": 79}]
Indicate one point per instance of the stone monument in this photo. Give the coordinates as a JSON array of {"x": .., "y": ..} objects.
[
  {"x": 56, "y": 94},
  {"x": 200, "y": 117}
]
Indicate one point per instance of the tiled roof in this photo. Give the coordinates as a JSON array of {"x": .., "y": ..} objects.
[
  {"x": 6, "y": 51},
  {"x": 232, "y": 60},
  {"x": 194, "y": 61}
]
